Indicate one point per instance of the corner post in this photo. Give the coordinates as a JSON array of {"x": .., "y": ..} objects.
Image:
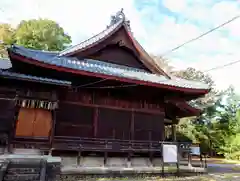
[
  {"x": 95, "y": 122},
  {"x": 52, "y": 131},
  {"x": 174, "y": 134}
]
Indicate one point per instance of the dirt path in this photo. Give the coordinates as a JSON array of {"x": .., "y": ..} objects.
[{"x": 223, "y": 168}]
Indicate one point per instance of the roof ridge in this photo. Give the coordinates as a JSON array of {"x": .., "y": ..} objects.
[
  {"x": 154, "y": 63},
  {"x": 36, "y": 50},
  {"x": 116, "y": 22}
]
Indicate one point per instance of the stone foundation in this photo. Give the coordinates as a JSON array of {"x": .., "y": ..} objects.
[
  {"x": 22, "y": 151},
  {"x": 95, "y": 165},
  {"x": 117, "y": 162},
  {"x": 29, "y": 164},
  {"x": 69, "y": 161},
  {"x": 157, "y": 162},
  {"x": 92, "y": 162},
  {"x": 141, "y": 162}
]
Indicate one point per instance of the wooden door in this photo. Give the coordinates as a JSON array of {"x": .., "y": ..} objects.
[
  {"x": 43, "y": 123},
  {"x": 33, "y": 123},
  {"x": 25, "y": 121}
]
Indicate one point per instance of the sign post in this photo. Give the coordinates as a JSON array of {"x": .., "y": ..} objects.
[{"x": 170, "y": 155}]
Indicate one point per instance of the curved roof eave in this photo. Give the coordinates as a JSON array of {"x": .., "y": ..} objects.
[{"x": 109, "y": 71}]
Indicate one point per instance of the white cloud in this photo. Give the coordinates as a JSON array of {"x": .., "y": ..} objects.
[
  {"x": 215, "y": 49},
  {"x": 82, "y": 19},
  {"x": 175, "y": 6},
  {"x": 79, "y": 18}
]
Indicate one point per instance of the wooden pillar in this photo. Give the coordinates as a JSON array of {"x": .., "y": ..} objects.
[
  {"x": 174, "y": 135},
  {"x": 132, "y": 126},
  {"x": 105, "y": 154},
  {"x": 12, "y": 133},
  {"x": 52, "y": 131},
  {"x": 130, "y": 153},
  {"x": 79, "y": 157},
  {"x": 95, "y": 122}
]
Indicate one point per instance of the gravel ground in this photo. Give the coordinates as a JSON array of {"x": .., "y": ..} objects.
[
  {"x": 217, "y": 172},
  {"x": 210, "y": 177}
]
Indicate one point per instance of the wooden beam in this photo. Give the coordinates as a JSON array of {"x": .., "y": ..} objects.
[{"x": 116, "y": 108}]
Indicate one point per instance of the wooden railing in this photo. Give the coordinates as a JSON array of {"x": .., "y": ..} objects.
[
  {"x": 78, "y": 144},
  {"x": 111, "y": 145},
  {"x": 41, "y": 143}
]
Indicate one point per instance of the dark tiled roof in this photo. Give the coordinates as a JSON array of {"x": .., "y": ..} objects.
[
  {"x": 102, "y": 35},
  {"x": 100, "y": 67},
  {"x": 13, "y": 75}
]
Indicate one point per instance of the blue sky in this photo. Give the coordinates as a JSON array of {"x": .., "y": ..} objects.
[{"x": 159, "y": 25}]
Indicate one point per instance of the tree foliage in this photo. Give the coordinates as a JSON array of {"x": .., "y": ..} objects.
[
  {"x": 6, "y": 38},
  {"x": 218, "y": 128},
  {"x": 41, "y": 34},
  {"x": 209, "y": 99}
]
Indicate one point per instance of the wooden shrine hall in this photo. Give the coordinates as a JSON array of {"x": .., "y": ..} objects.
[{"x": 104, "y": 96}]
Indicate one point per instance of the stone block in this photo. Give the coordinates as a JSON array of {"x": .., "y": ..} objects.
[
  {"x": 69, "y": 161},
  {"x": 22, "y": 151},
  {"x": 140, "y": 162},
  {"x": 157, "y": 162},
  {"x": 92, "y": 162},
  {"x": 116, "y": 162}
]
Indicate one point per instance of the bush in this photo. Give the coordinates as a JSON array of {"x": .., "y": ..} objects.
[
  {"x": 233, "y": 156},
  {"x": 232, "y": 147}
]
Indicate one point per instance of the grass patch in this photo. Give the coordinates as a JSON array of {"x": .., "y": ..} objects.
[
  {"x": 211, "y": 177},
  {"x": 195, "y": 178}
]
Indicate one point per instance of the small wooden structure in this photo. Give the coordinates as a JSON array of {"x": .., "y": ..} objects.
[
  {"x": 31, "y": 167},
  {"x": 105, "y": 97}
]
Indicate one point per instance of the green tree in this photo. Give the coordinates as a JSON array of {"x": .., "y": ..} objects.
[
  {"x": 196, "y": 75},
  {"x": 41, "y": 34},
  {"x": 226, "y": 128},
  {"x": 6, "y": 38},
  {"x": 197, "y": 128},
  {"x": 218, "y": 128}
]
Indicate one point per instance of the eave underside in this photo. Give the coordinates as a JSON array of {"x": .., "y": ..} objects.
[{"x": 173, "y": 109}]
